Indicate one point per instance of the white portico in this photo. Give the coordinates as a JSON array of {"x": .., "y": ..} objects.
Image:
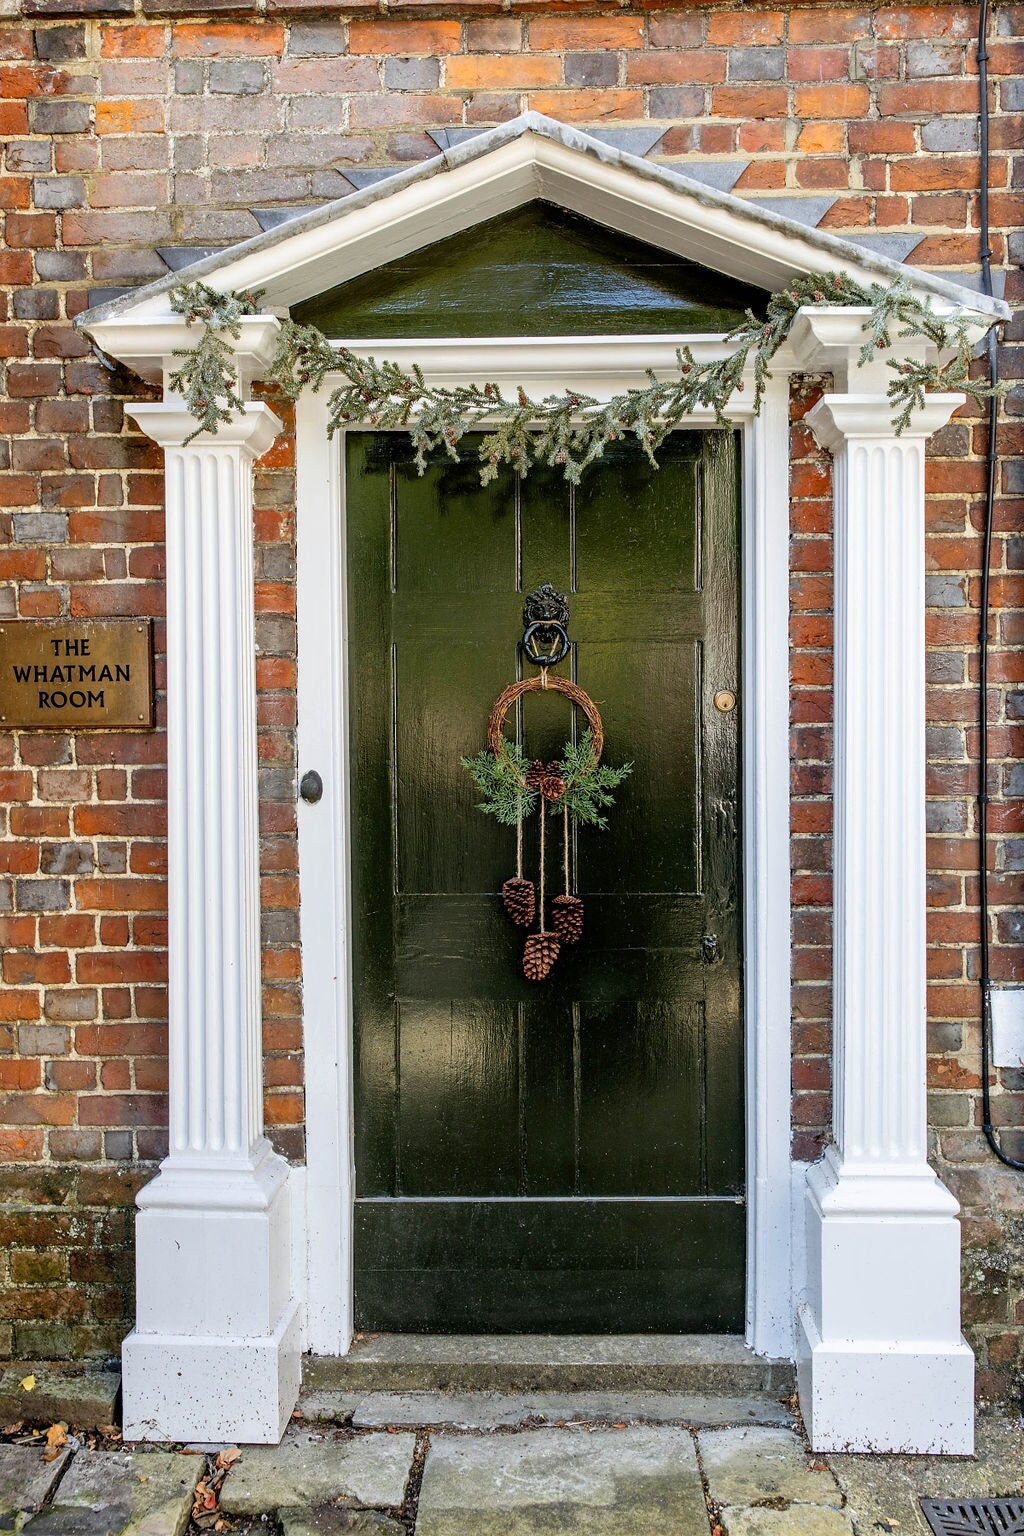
[{"x": 243, "y": 1262}]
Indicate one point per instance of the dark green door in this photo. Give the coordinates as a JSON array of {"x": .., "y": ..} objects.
[{"x": 565, "y": 1156}]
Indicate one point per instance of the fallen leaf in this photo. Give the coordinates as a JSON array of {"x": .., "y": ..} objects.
[
  {"x": 226, "y": 1459},
  {"x": 297, "y": 1413},
  {"x": 13, "y": 1429},
  {"x": 56, "y": 1440},
  {"x": 110, "y": 1430},
  {"x": 27, "y": 1383}
]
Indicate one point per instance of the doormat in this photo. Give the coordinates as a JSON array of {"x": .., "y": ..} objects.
[{"x": 969, "y": 1517}]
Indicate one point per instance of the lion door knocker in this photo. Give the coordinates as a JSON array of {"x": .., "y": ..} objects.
[{"x": 577, "y": 786}]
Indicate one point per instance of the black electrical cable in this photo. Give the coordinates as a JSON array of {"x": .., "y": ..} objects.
[{"x": 991, "y": 464}]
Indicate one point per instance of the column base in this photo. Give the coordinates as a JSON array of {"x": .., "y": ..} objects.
[
  {"x": 240, "y": 1391},
  {"x": 215, "y": 1354},
  {"x": 882, "y": 1364},
  {"x": 903, "y": 1398}
]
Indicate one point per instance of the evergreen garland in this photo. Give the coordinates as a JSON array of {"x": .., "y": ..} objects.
[{"x": 567, "y": 430}]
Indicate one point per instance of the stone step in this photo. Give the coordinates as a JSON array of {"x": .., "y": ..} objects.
[
  {"x": 700, "y": 1365},
  {"x": 506, "y": 1410}
]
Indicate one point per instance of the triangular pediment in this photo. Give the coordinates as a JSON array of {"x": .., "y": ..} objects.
[
  {"x": 532, "y": 159},
  {"x": 556, "y": 273}
]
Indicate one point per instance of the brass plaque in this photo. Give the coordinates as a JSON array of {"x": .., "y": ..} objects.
[{"x": 88, "y": 675}]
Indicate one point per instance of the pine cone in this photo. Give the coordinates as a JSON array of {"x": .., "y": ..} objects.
[
  {"x": 533, "y": 778},
  {"x": 567, "y": 918},
  {"x": 520, "y": 900},
  {"x": 539, "y": 955},
  {"x": 552, "y": 785}
]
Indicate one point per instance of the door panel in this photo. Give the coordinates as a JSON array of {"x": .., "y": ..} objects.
[{"x": 565, "y": 1156}]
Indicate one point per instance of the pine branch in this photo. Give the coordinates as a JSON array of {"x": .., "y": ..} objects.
[
  {"x": 588, "y": 784},
  {"x": 500, "y": 781},
  {"x": 207, "y": 377}
]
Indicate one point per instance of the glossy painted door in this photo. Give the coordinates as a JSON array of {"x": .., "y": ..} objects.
[{"x": 564, "y": 1156}]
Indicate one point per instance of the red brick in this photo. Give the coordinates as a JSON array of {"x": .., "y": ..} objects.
[
  {"x": 585, "y": 106},
  {"x": 563, "y": 34},
  {"x": 828, "y": 26},
  {"x": 727, "y": 27},
  {"x": 129, "y": 117},
  {"x": 502, "y": 72},
  {"x": 142, "y": 42},
  {"x": 830, "y": 101},
  {"x": 232, "y": 40},
  {"x": 672, "y": 69},
  {"x": 404, "y": 37}
]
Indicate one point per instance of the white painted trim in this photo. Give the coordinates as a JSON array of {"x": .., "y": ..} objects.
[
  {"x": 598, "y": 366},
  {"x": 766, "y": 862},
  {"x": 323, "y": 831}
]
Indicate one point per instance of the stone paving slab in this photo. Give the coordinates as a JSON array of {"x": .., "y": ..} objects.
[
  {"x": 308, "y": 1469},
  {"x": 747, "y": 1465},
  {"x": 25, "y": 1480},
  {"x": 83, "y": 1399},
  {"x": 109, "y": 1493},
  {"x": 797, "y": 1520},
  {"x": 605, "y": 1482},
  {"x": 490, "y": 1410},
  {"x": 337, "y": 1520},
  {"x": 882, "y": 1492}
]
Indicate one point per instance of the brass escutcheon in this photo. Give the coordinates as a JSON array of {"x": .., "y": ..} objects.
[{"x": 725, "y": 701}]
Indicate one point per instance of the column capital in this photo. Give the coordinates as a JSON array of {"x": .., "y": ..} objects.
[
  {"x": 831, "y": 338},
  {"x": 151, "y": 345},
  {"x": 169, "y": 424},
  {"x": 838, "y": 419}
]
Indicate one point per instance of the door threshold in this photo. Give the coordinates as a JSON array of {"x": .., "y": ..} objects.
[{"x": 702, "y": 1364}]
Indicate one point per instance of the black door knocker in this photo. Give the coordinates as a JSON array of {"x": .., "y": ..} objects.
[{"x": 545, "y": 619}]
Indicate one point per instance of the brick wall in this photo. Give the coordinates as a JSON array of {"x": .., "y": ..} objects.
[{"x": 136, "y": 124}]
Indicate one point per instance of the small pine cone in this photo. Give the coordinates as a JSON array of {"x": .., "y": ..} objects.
[
  {"x": 539, "y": 955},
  {"x": 567, "y": 918},
  {"x": 520, "y": 900},
  {"x": 533, "y": 778},
  {"x": 552, "y": 785}
]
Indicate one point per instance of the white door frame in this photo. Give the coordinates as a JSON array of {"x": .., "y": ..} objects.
[{"x": 598, "y": 366}]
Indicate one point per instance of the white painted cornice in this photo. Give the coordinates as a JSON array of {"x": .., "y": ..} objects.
[
  {"x": 836, "y": 419},
  {"x": 152, "y": 347}
]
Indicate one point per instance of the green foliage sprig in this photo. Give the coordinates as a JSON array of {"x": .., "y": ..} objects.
[
  {"x": 501, "y": 782},
  {"x": 507, "y": 797},
  {"x": 588, "y": 785},
  {"x": 568, "y": 430}
]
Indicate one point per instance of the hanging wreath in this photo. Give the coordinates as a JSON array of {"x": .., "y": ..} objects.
[{"x": 577, "y": 787}]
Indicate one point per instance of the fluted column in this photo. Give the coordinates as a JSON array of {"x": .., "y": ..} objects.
[
  {"x": 884, "y": 1366},
  {"x": 214, "y": 1354}
]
